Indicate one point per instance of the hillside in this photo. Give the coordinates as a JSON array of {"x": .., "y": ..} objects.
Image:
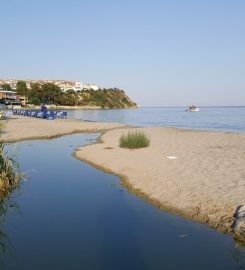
[
  {"x": 50, "y": 93},
  {"x": 106, "y": 98}
]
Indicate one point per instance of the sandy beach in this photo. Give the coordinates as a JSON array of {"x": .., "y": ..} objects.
[
  {"x": 204, "y": 182},
  {"x": 21, "y": 128}
]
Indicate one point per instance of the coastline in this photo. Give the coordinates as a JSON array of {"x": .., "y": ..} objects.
[
  {"x": 87, "y": 107},
  {"x": 204, "y": 184}
]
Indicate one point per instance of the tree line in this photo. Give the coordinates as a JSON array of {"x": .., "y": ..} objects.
[
  {"x": 50, "y": 93},
  {"x": 42, "y": 93}
]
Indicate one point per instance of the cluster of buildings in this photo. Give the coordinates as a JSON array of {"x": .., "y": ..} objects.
[
  {"x": 63, "y": 84},
  {"x": 11, "y": 97}
]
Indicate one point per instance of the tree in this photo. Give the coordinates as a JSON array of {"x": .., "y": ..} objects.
[
  {"x": 21, "y": 88},
  {"x": 6, "y": 87},
  {"x": 35, "y": 101},
  {"x": 70, "y": 91},
  {"x": 51, "y": 93},
  {"x": 36, "y": 91}
]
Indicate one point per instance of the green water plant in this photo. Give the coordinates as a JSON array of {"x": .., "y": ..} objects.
[
  {"x": 10, "y": 175},
  {"x": 9, "y": 172},
  {"x": 134, "y": 139}
]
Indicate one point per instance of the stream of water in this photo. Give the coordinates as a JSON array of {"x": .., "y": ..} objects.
[{"x": 69, "y": 215}]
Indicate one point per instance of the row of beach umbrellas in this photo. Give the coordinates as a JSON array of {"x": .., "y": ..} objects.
[{"x": 49, "y": 114}]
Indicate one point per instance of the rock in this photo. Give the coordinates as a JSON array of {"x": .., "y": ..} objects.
[{"x": 239, "y": 223}]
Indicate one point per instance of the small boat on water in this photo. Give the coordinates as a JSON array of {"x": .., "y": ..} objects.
[{"x": 192, "y": 108}]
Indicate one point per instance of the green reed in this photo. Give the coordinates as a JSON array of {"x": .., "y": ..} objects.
[
  {"x": 9, "y": 170},
  {"x": 134, "y": 139}
]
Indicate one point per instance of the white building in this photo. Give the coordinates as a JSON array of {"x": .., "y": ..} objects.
[
  {"x": 90, "y": 86},
  {"x": 64, "y": 85},
  {"x": 76, "y": 86},
  {"x": 7, "y": 97}
]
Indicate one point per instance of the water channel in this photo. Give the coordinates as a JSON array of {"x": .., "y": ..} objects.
[{"x": 69, "y": 215}]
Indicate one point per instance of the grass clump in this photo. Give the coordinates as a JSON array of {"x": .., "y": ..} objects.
[
  {"x": 9, "y": 170},
  {"x": 134, "y": 139}
]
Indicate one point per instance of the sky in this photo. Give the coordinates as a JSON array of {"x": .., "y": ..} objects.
[{"x": 161, "y": 52}]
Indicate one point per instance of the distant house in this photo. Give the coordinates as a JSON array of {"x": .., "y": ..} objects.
[
  {"x": 8, "y": 98},
  {"x": 22, "y": 99}
]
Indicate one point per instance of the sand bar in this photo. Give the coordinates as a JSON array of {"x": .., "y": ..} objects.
[
  {"x": 26, "y": 128},
  {"x": 205, "y": 181}
]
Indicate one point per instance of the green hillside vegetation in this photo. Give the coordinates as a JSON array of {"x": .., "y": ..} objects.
[
  {"x": 51, "y": 94},
  {"x": 106, "y": 98}
]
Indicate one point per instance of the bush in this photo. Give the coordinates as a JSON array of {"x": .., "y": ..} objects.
[
  {"x": 134, "y": 139},
  {"x": 35, "y": 101}
]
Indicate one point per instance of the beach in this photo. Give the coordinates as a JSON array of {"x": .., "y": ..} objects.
[
  {"x": 21, "y": 128},
  {"x": 197, "y": 174}
]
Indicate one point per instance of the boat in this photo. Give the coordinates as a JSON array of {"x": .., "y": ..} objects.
[{"x": 192, "y": 108}]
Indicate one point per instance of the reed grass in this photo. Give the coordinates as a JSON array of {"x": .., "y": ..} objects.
[
  {"x": 9, "y": 170},
  {"x": 10, "y": 177},
  {"x": 134, "y": 139}
]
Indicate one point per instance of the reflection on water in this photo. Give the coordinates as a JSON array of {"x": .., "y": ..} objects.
[
  {"x": 11, "y": 178},
  {"x": 6, "y": 246},
  {"x": 76, "y": 217},
  {"x": 238, "y": 254}
]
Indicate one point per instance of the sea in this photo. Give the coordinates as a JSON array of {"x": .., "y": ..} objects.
[{"x": 208, "y": 118}]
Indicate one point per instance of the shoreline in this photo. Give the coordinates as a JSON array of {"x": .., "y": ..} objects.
[
  {"x": 125, "y": 182},
  {"x": 86, "y": 107},
  {"x": 204, "y": 184},
  {"x": 197, "y": 199}
]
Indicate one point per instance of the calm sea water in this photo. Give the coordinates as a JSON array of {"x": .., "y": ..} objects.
[
  {"x": 211, "y": 118},
  {"x": 70, "y": 215}
]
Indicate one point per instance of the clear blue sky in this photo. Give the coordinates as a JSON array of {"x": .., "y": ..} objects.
[{"x": 162, "y": 53}]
